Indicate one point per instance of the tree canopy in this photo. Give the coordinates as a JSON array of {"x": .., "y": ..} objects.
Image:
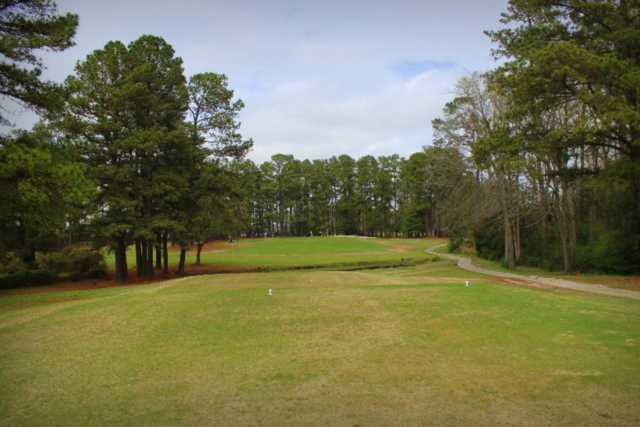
[{"x": 27, "y": 26}]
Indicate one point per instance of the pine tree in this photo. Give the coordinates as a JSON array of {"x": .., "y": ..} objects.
[{"x": 27, "y": 26}]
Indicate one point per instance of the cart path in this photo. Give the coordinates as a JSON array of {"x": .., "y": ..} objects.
[{"x": 466, "y": 264}]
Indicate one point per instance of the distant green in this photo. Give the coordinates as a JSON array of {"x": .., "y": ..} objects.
[{"x": 299, "y": 251}]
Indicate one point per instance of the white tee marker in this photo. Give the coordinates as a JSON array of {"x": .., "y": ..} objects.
[
  {"x": 466, "y": 283},
  {"x": 269, "y": 293}
]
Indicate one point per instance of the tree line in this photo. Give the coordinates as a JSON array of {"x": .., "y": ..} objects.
[
  {"x": 384, "y": 197},
  {"x": 553, "y": 138}
]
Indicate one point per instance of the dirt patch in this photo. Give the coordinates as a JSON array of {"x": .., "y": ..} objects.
[
  {"x": 519, "y": 283},
  {"x": 565, "y": 373},
  {"x": 399, "y": 246},
  {"x": 80, "y": 285},
  {"x": 219, "y": 269},
  {"x": 212, "y": 246},
  {"x": 218, "y": 246}
]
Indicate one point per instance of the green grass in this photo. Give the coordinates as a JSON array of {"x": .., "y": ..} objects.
[
  {"x": 385, "y": 347},
  {"x": 302, "y": 251}
]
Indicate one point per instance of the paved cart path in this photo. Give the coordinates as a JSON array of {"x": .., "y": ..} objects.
[{"x": 466, "y": 264}]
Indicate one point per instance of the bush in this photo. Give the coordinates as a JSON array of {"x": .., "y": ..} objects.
[
  {"x": 26, "y": 278},
  {"x": 74, "y": 262},
  {"x": 71, "y": 263},
  {"x": 610, "y": 252},
  {"x": 455, "y": 243},
  {"x": 489, "y": 238},
  {"x": 11, "y": 263}
]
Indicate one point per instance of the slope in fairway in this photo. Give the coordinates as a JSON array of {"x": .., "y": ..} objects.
[{"x": 390, "y": 347}]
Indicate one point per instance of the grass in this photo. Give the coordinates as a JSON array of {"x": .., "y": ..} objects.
[
  {"x": 630, "y": 282},
  {"x": 384, "y": 347},
  {"x": 301, "y": 251}
]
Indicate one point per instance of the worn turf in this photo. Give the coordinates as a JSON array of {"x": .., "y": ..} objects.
[{"x": 408, "y": 346}]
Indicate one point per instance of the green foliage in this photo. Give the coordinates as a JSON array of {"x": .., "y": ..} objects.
[
  {"x": 43, "y": 188},
  {"x": 455, "y": 243},
  {"x": 572, "y": 73},
  {"x": 553, "y": 135},
  {"x": 11, "y": 263},
  {"x": 74, "y": 262},
  {"x": 213, "y": 115},
  {"x": 384, "y": 196},
  {"x": 488, "y": 239},
  {"x": 26, "y": 278},
  {"x": 610, "y": 252},
  {"x": 70, "y": 263},
  {"x": 27, "y": 26},
  {"x": 126, "y": 104}
]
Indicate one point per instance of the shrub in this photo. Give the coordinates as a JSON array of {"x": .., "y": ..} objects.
[
  {"x": 610, "y": 252},
  {"x": 455, "y": 243},
  {"x": 489, "y": 238},
  {"x": 11, "y": 263},
  {"x": 74, "y": 262},
  {"x": 26, "y": 278}
]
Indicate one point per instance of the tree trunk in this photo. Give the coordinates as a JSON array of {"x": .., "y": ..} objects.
[
  {"x": 150, "y": 260},
  {"x": 148, "y": 264},
  {"x": 545, "y": 205},
  {"x": 509, "y": 255},
  {"x": 28, "y": 252},
  {"x": 183, "y": 254},
  {"x": 570, "y": 209},
  {"x": 158, "y": 252},
  {"x": 139, "y": 259},
  {"x": 165, "y": 253},
  {"x": 564, "y": 231},
  {"x": 29, "y": 255},
  {"x": 122, "y": 272},
  {"x": 143, "y": 258},
  {"x": 566, "y": 253},
  {"x": 592, "y": 220},
  {"x": 516, "y": 241},
  {"x": 545, "y": 240},
  {"x": 635, "y": 158},
  {"x": 199, "y": 249}
]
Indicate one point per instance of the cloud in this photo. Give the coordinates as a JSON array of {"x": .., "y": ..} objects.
[
  {"x": 318, "y": 78},
  {"x": 309, "y": 121}
]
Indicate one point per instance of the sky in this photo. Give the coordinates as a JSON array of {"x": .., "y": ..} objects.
[{"x": 318, "y": 78}]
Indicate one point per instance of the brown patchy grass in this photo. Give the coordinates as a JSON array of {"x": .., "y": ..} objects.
[
  {"x": 212, "y": 246},
  {"x": 394, "y": 347}
]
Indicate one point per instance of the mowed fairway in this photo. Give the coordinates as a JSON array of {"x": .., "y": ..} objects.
[
  {"x": 406, "y": 346},
  {"x": 302, "y": 251}
]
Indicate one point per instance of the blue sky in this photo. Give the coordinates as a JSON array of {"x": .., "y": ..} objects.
[
  {"x": 318, "y": 77},
  {"x": 409, "y": 69}
]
